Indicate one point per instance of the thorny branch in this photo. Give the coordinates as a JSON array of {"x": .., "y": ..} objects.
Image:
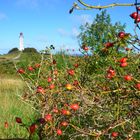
[{"x": 88, "y": 6}]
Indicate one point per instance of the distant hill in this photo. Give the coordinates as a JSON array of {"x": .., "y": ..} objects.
[{"x": 20, "y": 58}]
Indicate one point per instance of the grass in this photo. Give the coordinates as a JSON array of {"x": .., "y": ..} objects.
[
  {"x": 8, "y": 56},
  {"x": 22, "y": 59},
  {"x": 11, "y": 107}
]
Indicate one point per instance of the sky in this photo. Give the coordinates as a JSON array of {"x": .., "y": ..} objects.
[{"x": 46, "y": 22}]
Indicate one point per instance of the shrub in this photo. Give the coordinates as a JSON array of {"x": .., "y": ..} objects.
[
  {"x": 13, "y": 50},
  {"x": 82, "y": 100},
  {"x": 30, "y": 50}
]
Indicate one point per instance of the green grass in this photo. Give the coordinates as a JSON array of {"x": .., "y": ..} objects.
[
  {"x": 8, "y": 56},
  {"x": 21, "y": 59},
  {"x": 11, "y": 107}
]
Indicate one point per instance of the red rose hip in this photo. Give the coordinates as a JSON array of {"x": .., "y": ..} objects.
[
  {"x": 114, "y": 134},
  {"x": 74, "y": 107},
  {"x": 123, "y": 64},
  {"x": 134, "y": 15},
  {"x": 138, "y": 86},
  {"x": 121, "y": 35},
  {"x": 127, "y": 77},
  {"x": 59, "y": 132},
  {"x": 48, "y": 117}
]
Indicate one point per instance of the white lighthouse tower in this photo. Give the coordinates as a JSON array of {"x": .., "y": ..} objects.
[{"x": 21, "y": 46}]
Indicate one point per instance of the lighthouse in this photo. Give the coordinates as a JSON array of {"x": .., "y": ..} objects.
[{"x": 21, "y": 46}]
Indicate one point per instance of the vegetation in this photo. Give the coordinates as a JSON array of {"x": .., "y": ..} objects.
[
  {"x": 22, "y": 58},
  {"x": 87, "y": 97},
  {"x": 99, "y": 32},
  {"x": 81, "y": 90},
  {"x": 13, "y": 50},
  {"x": 11, "y": 106},
  {"x": 30, "y": 50}
]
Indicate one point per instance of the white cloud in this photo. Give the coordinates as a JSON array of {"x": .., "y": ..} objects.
[
  {"x": 75, "y": 32},
  {"x": 83, "y": 19},
  {"x": 2, "y": 16},
  {"x": 62, "y": 32}
]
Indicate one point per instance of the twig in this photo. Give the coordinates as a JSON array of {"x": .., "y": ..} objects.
[
  {"x": 106, "y": 6},
  {"x": 82, "y": 131}
]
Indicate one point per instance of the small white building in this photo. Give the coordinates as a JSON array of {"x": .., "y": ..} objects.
[{"x": 21, "y": 43}]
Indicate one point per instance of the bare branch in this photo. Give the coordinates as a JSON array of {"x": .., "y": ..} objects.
[{"x": 88, "y": 7}]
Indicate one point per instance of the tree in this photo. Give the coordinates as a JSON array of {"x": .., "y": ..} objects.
[{"x": 99, "y": 32}]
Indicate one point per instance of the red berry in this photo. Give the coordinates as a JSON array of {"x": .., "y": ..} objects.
[
  {"x": 64, "y": 123},
  {"x": 85, "y": 48},
  {"x": 48, "y": 117},
  {"x": 59, "y": 132},
  {"x": 52, "y": 86},
  {"x": 109, "y": 44},
  {"x": 75, "y": 83},
  {"x": 40, "y": 90},
  {"x": 41, "y": 120},
  {"x": 76, "y": 65},
  {"x": 123, "y": 64},
  {"x": 18, "y": 120},
  {"x": 121, "y": 35},
  {"x": 114, "y": 134},
  {"x": 6, "y": 125},
  {"x": 55, "y": 72},
  {"x": 109, "y": 76},
  {"x": 134, "y": 15},
  {"x": 30, "y": 68},
  {"x": 127, "y": 49},
  {"x": 127, "y": 77},
  {"x": 54, "y": 62},
  {"x": 65, "y": 112},
  {"x": 71, "y": 72},
  {"x": 123, "y": 60},
  {"x": 21, "y": 71},
  {"x": 55, "y": 110},
  {"x": 138, "y": 86},
  {"x": 74, "y": 106},
  {"x": 49, "y": 79},
  {"x": 32, "y": 128},
  {"x": 138, "y": 8},
  {"x": 137, "y": 20},
  {"x": 111, "y": 71},
  {"x": 37, "y": 65}
]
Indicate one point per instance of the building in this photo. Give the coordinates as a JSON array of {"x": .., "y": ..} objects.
[{"x": 21, "y": 43}]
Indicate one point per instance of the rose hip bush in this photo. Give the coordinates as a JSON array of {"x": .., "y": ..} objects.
[
  {"x": 89, "y": 97},
  {"x": 93, "y": 98}
]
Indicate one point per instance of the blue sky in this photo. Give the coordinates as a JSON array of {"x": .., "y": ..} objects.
[{"x": 46, "y": 22}]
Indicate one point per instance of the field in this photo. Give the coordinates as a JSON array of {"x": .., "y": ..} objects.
[{"x": 11, "y": 106}]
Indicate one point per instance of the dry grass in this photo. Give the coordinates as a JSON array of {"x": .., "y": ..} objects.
[
  {"x": 11, "y": 107},
  {"x": 6, "y": 84}
]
